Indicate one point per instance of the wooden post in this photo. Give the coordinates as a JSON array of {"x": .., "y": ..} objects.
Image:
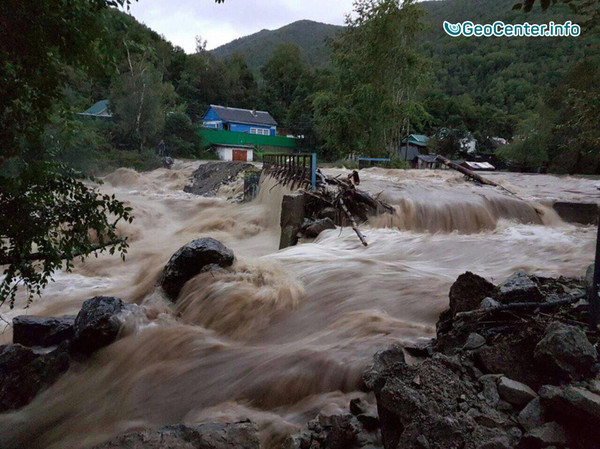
[
  {"x": 594, "y": 299},
  {"x": 313, "y": 171}
]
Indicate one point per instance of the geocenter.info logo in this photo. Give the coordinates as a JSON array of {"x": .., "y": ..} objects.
[{"x": 501, "y": 29}]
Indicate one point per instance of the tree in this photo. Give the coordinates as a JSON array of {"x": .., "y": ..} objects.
[
  {"x": 140, "y": 99},
  {"x": 528, "y": 150},
  {"x": 180, "y": 135},
  {"x": 373, "y": 104},
  {"x": 48, "y": 216},
  {"x": 575, "y": 143},
  {"x": 281, "y": 74}
]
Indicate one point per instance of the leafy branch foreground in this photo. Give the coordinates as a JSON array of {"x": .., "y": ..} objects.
[{"x": 49, "y": 219}]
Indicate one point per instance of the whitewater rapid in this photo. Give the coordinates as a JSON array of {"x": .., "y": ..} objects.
[{"x": 283, "y": 334}]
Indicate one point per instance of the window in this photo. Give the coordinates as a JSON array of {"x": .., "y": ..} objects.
[{"x": 260, "y": 131}]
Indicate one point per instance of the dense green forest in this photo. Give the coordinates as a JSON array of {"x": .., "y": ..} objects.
[
  {"x": 257, "y": 48},
  {"x": 305, "y": 74}
]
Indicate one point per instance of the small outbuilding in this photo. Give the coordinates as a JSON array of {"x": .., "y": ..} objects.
[
  {"x": 427, "y": 161},
  {"x": 226, "y": 152},
  {"x": 100, "y": 109}
]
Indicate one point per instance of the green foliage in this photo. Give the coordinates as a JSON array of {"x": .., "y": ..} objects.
[
  {"x": 180, "y": 136},
  {"x": 311, "y": 37},
  {"x": 47, "y": 215},
  {"x": 373, "y": 105},
  {"x": 490, "y": 85},
  {"x": 528, "y": 150},
  {"x": 399, "y": 163},
  {"x": 574, "y": 146},
  {"x": 282, "y": 75}
]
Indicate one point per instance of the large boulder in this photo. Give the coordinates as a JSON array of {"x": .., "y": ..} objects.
[
  {"x": 574, "y": 407},
  {"x": 204, "y": 436},
  {"x": 532, "y": 416},
  {"x": 24, "y": 372},
  {"x": 42, "y": 331},
  {"x": 565, "y": 351},
  {"x": 468, "y": 291},
  {"x": 548, "y": 435},
  {"x": 189, "y": 260},
  {"x": 514, "y": 392},
  {"x": 97, "y": 324},
  {"x": 519, "y": 288}
]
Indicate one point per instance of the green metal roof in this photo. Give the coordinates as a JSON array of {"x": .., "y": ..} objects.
[
  {"x": 219, "y": 137},
  {"x": 100, "y": 108},
  {"x": 418, "y": 140}
]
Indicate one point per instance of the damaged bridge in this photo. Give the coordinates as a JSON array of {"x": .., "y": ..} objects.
[{"x": 320, "y": 202}]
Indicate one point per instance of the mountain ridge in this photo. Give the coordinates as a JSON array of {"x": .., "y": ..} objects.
[{"x": 309, "y": 35}]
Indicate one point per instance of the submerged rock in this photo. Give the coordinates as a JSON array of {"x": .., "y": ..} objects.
[
  {"x": 468, "y": 291},
  {"x": 204, "y": 436},
  {"x": 318, "y": 226},
  {"x": 97, "y": 324},
  {"x": 24, "y": 372},
  {"x": 189, "y": 260},
  {"x": 566, "y": 351},
  {"x": 42, "y": 331}
]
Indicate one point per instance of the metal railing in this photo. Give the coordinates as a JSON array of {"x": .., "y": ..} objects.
[{"x": 298, "y": 169}]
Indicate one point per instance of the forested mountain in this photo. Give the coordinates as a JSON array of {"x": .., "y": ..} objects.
[
  {"x": 323, "y": 82},
  {"x": 506, "y": 75},
  {"x": 257, "y": 48}
]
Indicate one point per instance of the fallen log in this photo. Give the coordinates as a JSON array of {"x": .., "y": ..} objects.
[
  {"x": 520, "y": 306},
  {"x": 470, "y": 174}
]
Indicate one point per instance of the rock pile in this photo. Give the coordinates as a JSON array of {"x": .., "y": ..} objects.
[
  {"x": 204, "y": 436},
  {"x": 44, "y": 347},
  {"x": 209, "y": 177},
  {"x": 512, "y": 367}
]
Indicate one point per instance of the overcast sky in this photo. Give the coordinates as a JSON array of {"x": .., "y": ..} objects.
[{"x": 181, "y": 20}]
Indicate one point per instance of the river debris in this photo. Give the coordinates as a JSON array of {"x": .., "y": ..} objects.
[
  {"x": 336, "y": 198},
  {"x": 210, "y": 176},
  {"x": 499, "y": 374}
]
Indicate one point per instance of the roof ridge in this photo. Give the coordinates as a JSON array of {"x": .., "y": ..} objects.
[{"x": 237, "y": 109}]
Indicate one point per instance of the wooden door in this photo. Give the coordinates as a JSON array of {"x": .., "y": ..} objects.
[{"x": 240, "y": 155}]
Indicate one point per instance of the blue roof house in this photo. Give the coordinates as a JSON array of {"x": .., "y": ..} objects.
[{"x": 240, "y": 120}]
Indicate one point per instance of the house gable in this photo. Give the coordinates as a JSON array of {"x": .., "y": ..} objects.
[{"x": 240, "y": 120}]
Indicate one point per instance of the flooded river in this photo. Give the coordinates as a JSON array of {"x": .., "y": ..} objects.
[{"x": 285, "y": 333}]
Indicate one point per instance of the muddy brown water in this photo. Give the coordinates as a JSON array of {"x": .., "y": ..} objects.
[{"x": 288, "y": 333}]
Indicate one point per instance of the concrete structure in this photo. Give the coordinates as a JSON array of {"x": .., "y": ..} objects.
[
  {"x": 243, "y": 153},
  {"x": 292, "y": 216},
  {"x": 580, "y": 213}
]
